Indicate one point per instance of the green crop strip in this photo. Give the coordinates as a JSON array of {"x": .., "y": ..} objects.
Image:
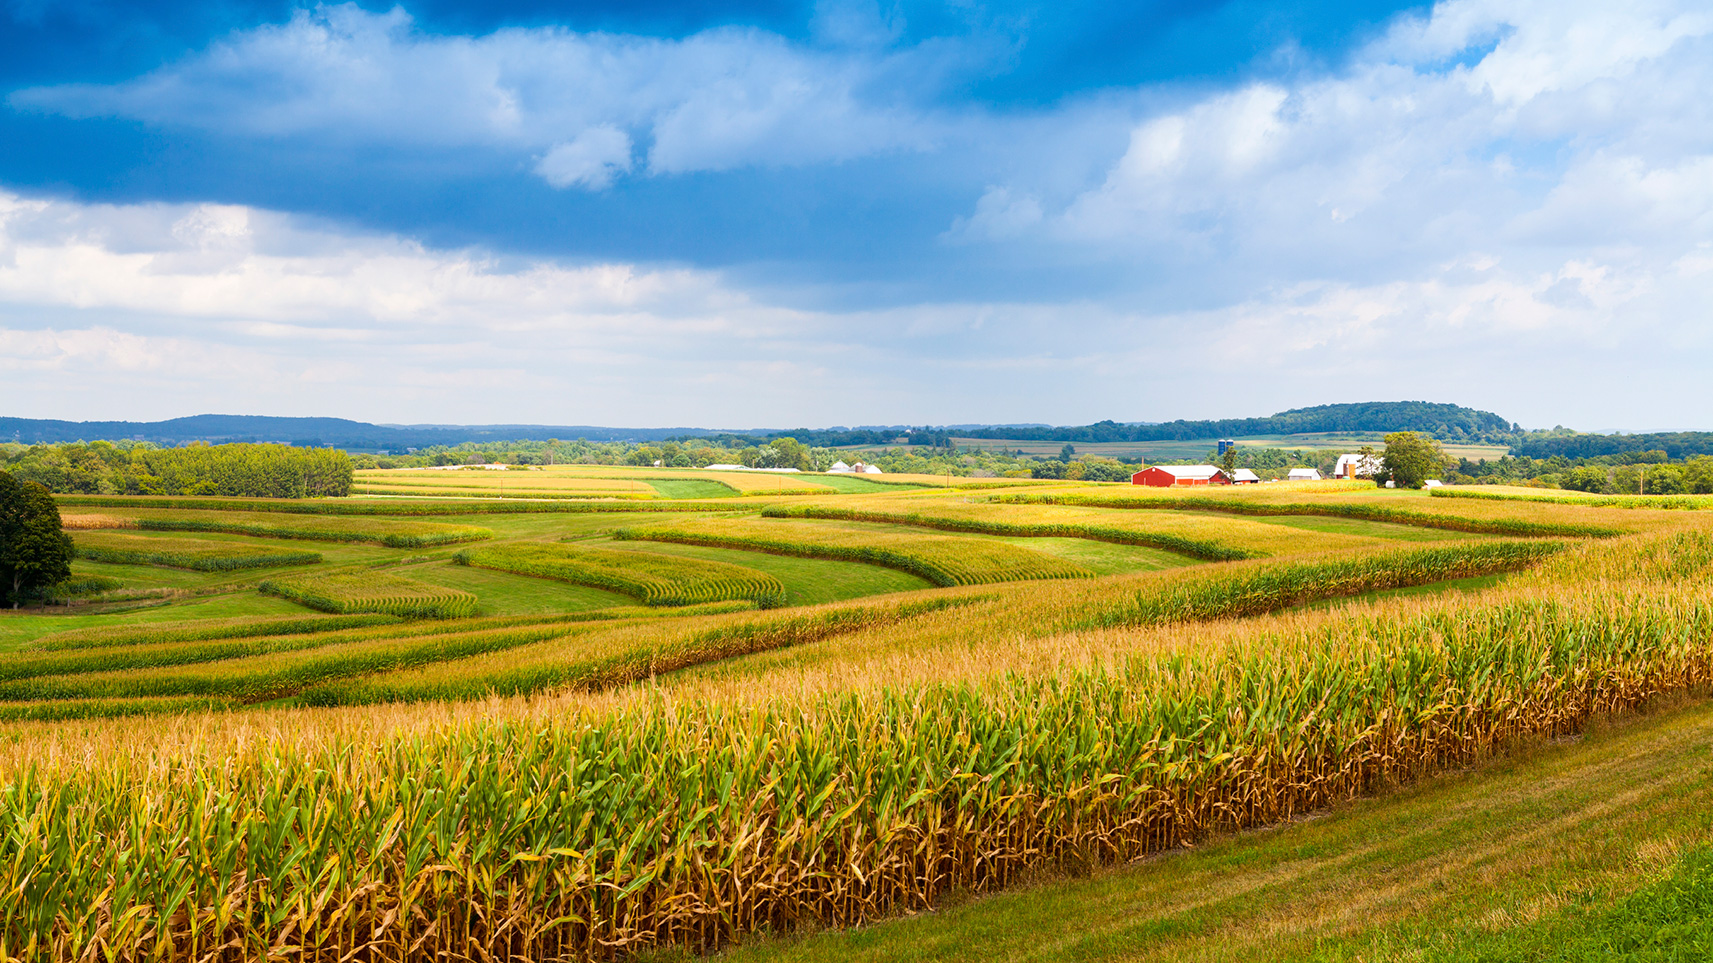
[
  {"x": 695, "y": 824},
  {"x": 652, "y": 579},
  {"x": 943, "y": 562},
  {"x": 372, "y": 590},
  {"x": 1372, "y": 513},
  {"x": 1194, "y": 548},
  {"x": 1662, "y": 502},
  {"x": 230, "y": 559},
  {"x": 381, "y": 508}
]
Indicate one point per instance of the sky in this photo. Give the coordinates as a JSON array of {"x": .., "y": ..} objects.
[{"x": 763, "y": 213}]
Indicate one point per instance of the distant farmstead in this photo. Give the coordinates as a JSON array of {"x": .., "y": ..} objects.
[
  {"x": 1304, "y": 474},
  {"x": 840, "y": 468},
  {"x": 1356, "y": 466},
  {"x": 1175, "y": 476},
  {"x": 1244, "y": 476}
]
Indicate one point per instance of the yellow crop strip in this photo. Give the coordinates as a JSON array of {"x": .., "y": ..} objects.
[{"x": 569, "y": 788}]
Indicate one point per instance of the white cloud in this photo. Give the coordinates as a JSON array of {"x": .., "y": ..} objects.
[
  {"x": 590, "y": 160},
  {"x": 711, "y": 101}
]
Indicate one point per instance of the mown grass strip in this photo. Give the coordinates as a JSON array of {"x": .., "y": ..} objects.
[
  {"x": 1372, "y": 513},
  {"x": 373, "y": 590},
  {"x": 652, "y": 579},
  {"x": 1194, "y": 548},
  {"x": 1662, "y": 502}
]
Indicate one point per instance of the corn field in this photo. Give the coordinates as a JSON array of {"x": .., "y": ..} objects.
[
  {"x": 651, "y": 579},
  {"x": 345, "y": 593}
]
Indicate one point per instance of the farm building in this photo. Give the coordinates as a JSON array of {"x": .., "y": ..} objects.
[
  {"x": 1356, "y": 466},
  {"x": 840, "y": 468},
  {"x": 1244, "y": 476},
  {"x": 1304, "y": 474},
  {"x": 1172, "y": 476}
]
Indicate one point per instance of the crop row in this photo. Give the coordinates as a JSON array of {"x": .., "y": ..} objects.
[
  {"x": 940, "y": 560},
  {"x": 421, "y": 536},
  {"x": 1370, "y": 513},
  {"x": 449, "y": 491},
  {"x": 651, "y": 578},
  {"x": 373, "y": 590},
  {"x": 366, "y": 506},
  {"x": 1228, "y": 594},
  {"x": 1666, "y": 502},
  {"x": 601, "y": 661},
  {"x": 197, "y": 556},
  {"x": 203, "y": 629},
  {"x": 1195, "y": 548},
  {"x": 261, "y": 670},
  {"x": 667, "y": 823}
]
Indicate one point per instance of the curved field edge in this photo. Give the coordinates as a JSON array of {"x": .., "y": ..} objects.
[
  {"x": 1661, "y": 502},
  {"x": 362, "y": 506},
  {"x": 651, "y": 579},
  {"x": 1584, "y": 850},
  {"x": 693, "y": 824},
  {"x": 1193, "y": 548},
  {"x": 913, "y": 563},
  {"x": 231, "y": 559},
  {"x": 1371, "y": 513}
]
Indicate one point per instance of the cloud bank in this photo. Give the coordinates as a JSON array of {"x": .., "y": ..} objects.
[{"x": 1506, "y": 204}]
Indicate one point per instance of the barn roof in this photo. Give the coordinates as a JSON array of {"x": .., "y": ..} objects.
[{"x": 1186, "y": 471}]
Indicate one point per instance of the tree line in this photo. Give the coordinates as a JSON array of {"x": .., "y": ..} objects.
[{"x": 140, "y": 468}]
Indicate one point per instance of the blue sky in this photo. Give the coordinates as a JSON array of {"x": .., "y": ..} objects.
[{"x": 772, "y": 213}]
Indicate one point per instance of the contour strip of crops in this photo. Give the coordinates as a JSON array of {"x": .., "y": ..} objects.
[
  {"x": 695, "y": 825},
  {"x": 1195, "y": 548},
  {"x": 941, "y": 561},
  {"x": 652, "y": 579},
  {"x": 1371, "y": 513}
]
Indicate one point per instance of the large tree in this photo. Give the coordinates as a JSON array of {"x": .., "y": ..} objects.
[
  {"x": 1411, "y": 459},
  {"x": 34, "y": 552}
]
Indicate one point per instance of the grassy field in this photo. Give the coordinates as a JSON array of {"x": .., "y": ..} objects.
[{"x": 988, "y": 721}]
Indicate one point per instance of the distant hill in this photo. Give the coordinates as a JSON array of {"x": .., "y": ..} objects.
[
  {"x": 1440, "y": 419},
  {"x": 1371, "y": 416},
  {"x": 311, "y": 432}
]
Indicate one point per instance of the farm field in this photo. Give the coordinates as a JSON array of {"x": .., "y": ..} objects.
[
  {"x": 1166, "y": 451},
  {"x": 556, "y": 728}
]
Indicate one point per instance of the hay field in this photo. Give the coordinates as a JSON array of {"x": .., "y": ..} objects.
[{"x": 464, "y": 762}]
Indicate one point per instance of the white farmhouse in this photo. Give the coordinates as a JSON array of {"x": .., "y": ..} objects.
[{"x": 1304, "y": 474}]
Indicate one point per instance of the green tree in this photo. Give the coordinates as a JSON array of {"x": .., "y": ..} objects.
[
  {"x": 34, "y": 552},
  {"x": 1228, "y": 464},
  {"x": 1066, "y": 452},
  {"x": 1411, "y": 460}
]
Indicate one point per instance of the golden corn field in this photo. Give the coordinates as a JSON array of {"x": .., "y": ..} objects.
[{"x": 512, "y": 759}]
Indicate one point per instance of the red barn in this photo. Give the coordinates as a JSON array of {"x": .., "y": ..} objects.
[{"x": 1176, "y": 476}]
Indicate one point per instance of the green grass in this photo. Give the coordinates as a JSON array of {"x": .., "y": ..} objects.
[
  {"x": 17, "y": 628},
  {"x": 858, "y": 485},
  {"x": 502, "y": 593},
  {"x": 1357, "y": 526},
  {"x": 807, "y": 581},
  {"x": 1557, "y": 853},
  {"x": 1101, "y": 558},
  {"x": 373, "y": 590},
  {"x": 690, "y": 487}
]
